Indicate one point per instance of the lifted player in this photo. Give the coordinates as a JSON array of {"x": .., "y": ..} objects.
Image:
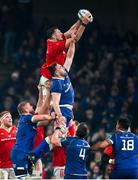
[{"x": 57, "y": 45}]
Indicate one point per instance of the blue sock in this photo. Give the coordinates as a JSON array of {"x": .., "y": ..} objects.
[{"x": 41, "y": 149}]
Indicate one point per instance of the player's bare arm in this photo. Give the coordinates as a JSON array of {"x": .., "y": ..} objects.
[
  {"x": 85, "y": 20},
  {"x": 73, "y": 29},
  {"x": 45, "y": 123},
  {"x": 55, "y": 138},
  {"x": 42, "y": 117},
  {"x": 100, "y": 145},
  {"x": 56, "y": 99},
  {"x": 70, "y": 55}
]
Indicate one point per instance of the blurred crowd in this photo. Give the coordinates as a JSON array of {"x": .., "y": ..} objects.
[{"x": 104, "y": 74}]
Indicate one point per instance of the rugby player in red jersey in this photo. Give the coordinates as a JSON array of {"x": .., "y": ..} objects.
[
  {"x": 7, "y": 141},
  {"x": 57, "y": 44}
]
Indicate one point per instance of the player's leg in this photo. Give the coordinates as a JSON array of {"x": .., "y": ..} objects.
[
  {"x": 43, "y": 148},
  {"x": 20, "y": 163},
  {"x": 37, "y": 172},
  {"x": 45, "y": 85},
  {"x": 3, "y": 174},
  {"x": 11, "y": 173}
]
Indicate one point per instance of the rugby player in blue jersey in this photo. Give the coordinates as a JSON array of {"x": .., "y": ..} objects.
[
  {"x": 76, "y": 151},
  {"x": 61, "y": 89},
  {"x": 125, "y": 147},
  {"x": 25, "y": 137}
]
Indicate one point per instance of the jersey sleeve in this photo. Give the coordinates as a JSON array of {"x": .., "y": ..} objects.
[
  {"x": 65, "y": 141},
  {"x": 28, "y": 118},
  {"x": 56, "y": 86},
  {"x": 108, "y": 150}
]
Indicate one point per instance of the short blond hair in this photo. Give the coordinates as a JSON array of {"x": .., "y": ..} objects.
[
  {"x": 20, "y": 107},
  {"x": 3, "y": 113}
]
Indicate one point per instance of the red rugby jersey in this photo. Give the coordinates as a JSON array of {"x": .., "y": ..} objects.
[
  {"x": 7, "y": 141},
  {"x": 56, "y": 53},
  {"x": 39, "y": 136}
]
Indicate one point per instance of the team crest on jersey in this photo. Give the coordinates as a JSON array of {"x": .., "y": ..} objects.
[{"x": 15, "y": 131}]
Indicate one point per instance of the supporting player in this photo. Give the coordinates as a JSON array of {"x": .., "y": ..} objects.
[
  {"x": 25, "y": 137},
  {"x": 76, "y": 152},
  {"x": 125, "y": 147},
  {"x": 7, "y": 141}
]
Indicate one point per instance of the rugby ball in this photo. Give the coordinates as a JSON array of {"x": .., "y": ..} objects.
[{"x": 82, "y": 13}]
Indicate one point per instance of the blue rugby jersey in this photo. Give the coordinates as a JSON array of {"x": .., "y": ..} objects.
[
  {"x": 125, "y": 145},
  {"x": 64, "y": 87},
  {"x": 76, "y": 153},
  {"x": 26, "y": 132}
]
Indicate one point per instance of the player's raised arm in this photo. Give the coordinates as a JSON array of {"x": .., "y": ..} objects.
[
  {"x": 79, "y": 30},
  {"x": 56, "y": 100},
  {"x": 73, "y": 29},
  {"x": 70, "y": 55}
]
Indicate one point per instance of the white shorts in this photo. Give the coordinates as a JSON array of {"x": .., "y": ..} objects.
[
  {"x": 45, "y": 83},
  {"x": 7, "y": 173},
  {"x": 59, "y": 172}
]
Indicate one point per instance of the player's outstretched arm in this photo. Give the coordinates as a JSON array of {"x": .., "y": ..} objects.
[
  {"x": 100, "y": 145},
  {"x": 70, "y": 56},
  {"x": 43, "y": 117},
  {"x": 73, "y": 29},
  {"x": 79, "y": 30}
]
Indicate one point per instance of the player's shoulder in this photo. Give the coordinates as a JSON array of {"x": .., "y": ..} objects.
[{"x": 25, "y": 117}]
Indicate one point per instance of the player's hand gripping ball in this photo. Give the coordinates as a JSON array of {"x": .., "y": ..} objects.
[{"x": 84, "y": 12}]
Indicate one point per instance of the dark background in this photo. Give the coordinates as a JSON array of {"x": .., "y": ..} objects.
[{"x": 123, "y": 14}]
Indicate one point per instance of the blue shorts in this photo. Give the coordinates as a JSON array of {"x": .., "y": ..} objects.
[
  {"x": 68, "y": 176},
  {"x": 124, "y": 174},
  {"x": 67, "y": 113},
  {"x": 19, "y": 159}
]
